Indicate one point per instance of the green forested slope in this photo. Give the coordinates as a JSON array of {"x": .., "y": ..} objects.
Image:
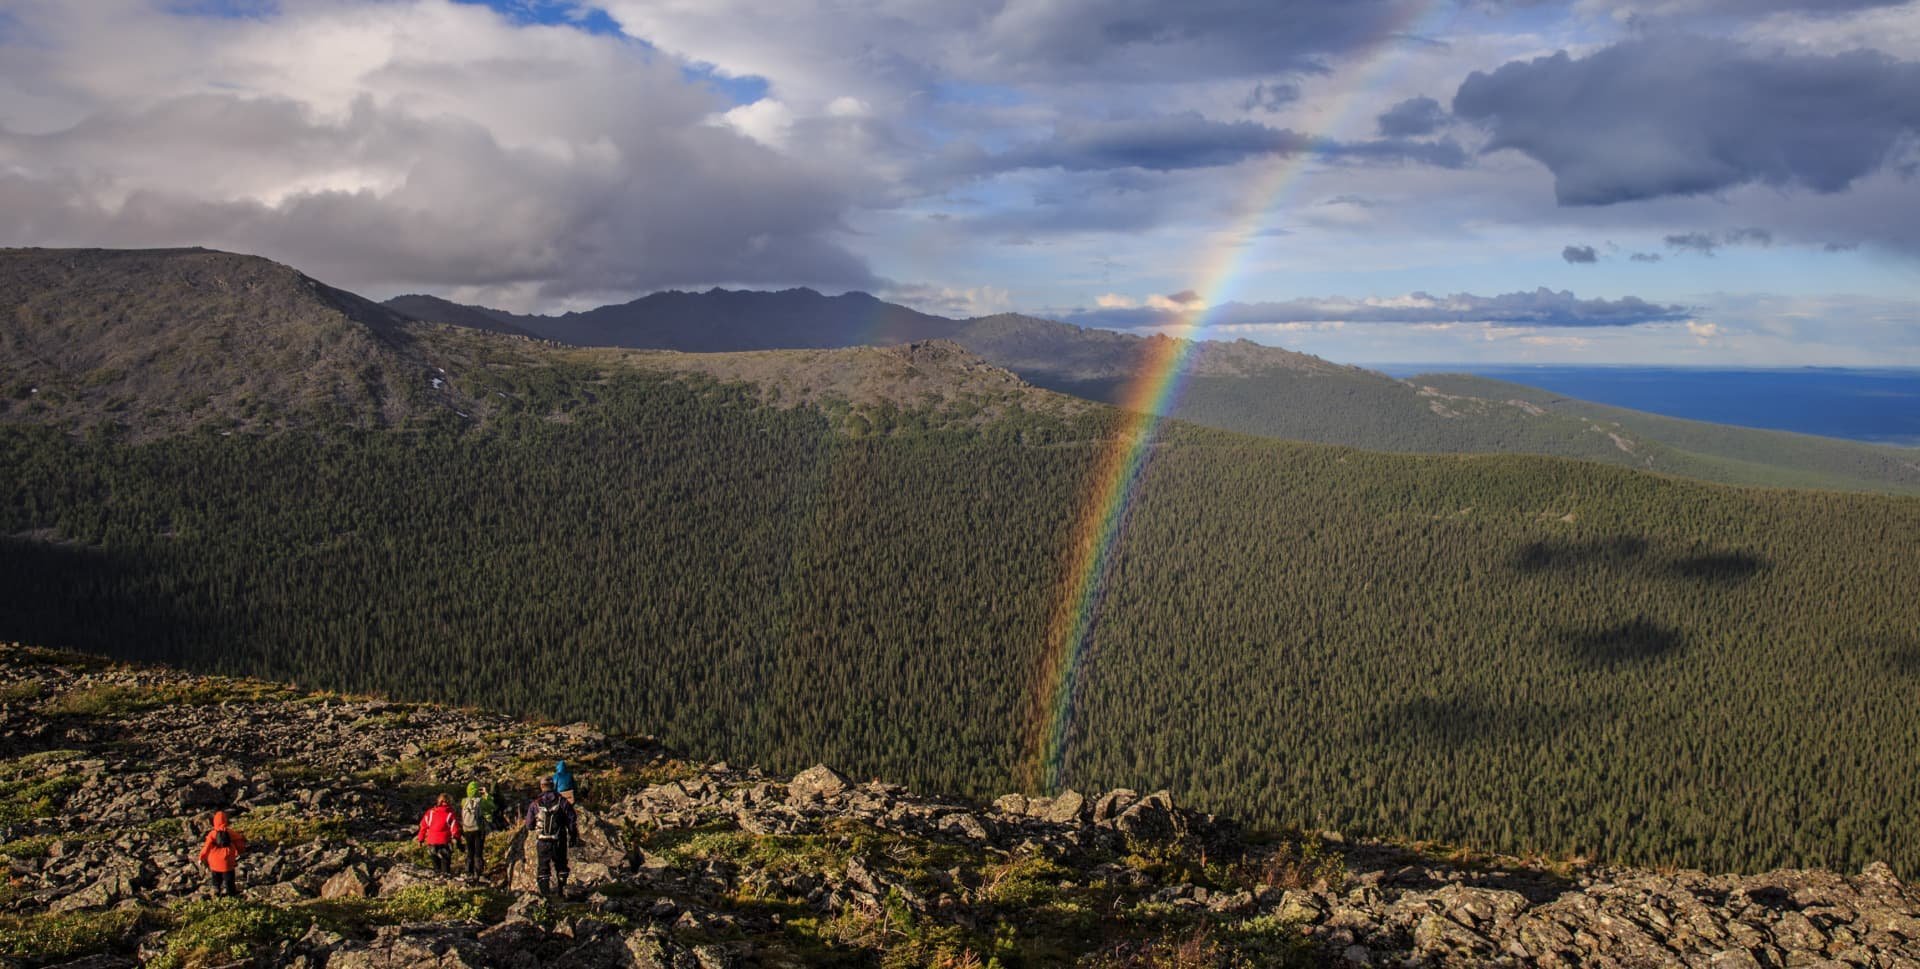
[{"x": 1522, "y": 653}]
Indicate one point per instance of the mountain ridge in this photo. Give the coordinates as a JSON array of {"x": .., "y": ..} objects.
[{"x": 1241, "y": 386}]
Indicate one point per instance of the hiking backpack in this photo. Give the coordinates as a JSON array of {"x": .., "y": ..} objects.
[
  {"x": 472, "y": 819},
  {"x": 549, "y": 822}
]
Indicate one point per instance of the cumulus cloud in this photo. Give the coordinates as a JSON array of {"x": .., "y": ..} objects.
[
  {"x": 1580, "y": 254},
  {"x": 399, "y": 145},
  {"x": 1412, "y": 118},
  {"x": 1541, "y": 307},
  {"x": 1675, "y": 115}
]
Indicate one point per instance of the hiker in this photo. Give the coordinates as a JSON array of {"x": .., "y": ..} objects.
[
  {"x": 554, "y": 826},
  {"x": 477, "y": 812},
  {"x": 503, "y": 803},
  {"x": 439, "y": 829},
  {"x": 221, "y": 854},
  {"x": 563, "y": 780}
]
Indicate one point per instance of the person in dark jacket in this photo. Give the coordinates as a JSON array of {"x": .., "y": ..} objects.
[
  {"x": 439, "y": 829},
  {"x": 221, "y": 854},
  {"x": 551, "y": 820}
]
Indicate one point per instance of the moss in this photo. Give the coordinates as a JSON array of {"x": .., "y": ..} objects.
[
  {"x": 66, "y": 935},
  {"x": 224, "y": 930}
]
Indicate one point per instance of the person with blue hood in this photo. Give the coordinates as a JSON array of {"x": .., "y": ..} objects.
[{"x": 563, "y": 780}]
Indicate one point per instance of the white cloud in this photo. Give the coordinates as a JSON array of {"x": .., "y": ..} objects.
[{"x": 409, "y": 144}]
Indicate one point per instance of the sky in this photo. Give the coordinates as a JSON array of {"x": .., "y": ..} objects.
[{"x": 1681, "y": 182}]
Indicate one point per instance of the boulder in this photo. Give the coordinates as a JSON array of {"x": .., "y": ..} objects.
[
  {"x": 402, "y": 875},
  {"x": 1112, "y": 804},
  {"x": 392, "y": 949},
  {"x": 815, "y": 784},
  {"x": 1066, "y": 808},
  {"x": 350, "y": 882}
]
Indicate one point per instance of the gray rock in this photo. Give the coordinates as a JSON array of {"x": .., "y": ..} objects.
[
  {"x": 351, "y": 882},
  {"x": 816, "y": 783},
  {"x": 1068, "y": 807}
]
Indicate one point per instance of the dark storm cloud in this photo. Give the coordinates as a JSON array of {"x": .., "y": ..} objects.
[
  {"x": 1750, "y": 8},
  {"x": 1177, "y": 142},
  {"x": 1412, "y": 118},
  {"x": 1133, "y": 40},
  {"x": 1706, "y": 243},
  {"x": 1271, "y": 96},
  {"x": 1542, "y": 307},
  {"x": 1580, "y": 254},
  {"x": 1690, "y": 115},
  {"x": 1699, "y": 242}
]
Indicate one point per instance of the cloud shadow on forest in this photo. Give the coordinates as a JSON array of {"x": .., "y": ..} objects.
[
  {"x": 1624, "y": 552},
  {"x": 1462, "y": 720},
  {"x": 1555, "y": 555},
  {"x": 1900, "y": 653},
  {"x": 1638, "y": 640},
  {"x": 1723, "y": 567}
]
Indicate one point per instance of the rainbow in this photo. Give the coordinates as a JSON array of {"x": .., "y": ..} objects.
[{"x": 1154, "y": 390}]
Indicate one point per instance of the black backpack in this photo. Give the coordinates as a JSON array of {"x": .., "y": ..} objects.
[
  {"x": 223, "y": 838},
  {"x": 549, "y": 820}
]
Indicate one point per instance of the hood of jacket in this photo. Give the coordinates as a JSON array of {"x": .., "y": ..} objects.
[
  {"x": 473, "y": 788},
  {"x": 219, "y": 820}
]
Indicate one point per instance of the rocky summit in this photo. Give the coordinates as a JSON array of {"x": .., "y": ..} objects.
[{"x": 111, "y": 774}]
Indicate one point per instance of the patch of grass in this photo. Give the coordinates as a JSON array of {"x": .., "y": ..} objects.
[
  {"x": 22, "y": 691},
  {"x": 225, "y": 930},
  {"x": 1022, "y": 883},
  {"x": 281, "y": 825},
  {"x": 66, "y": 935},
  {"x": 395, "y": 774},
  {"x": 118, "y": 699},
  {"x": 402, "y": 717},
  {"x": 612, "y": 786},
  {"x": 415, "y": 903},
  {"x": 31, "y": 798},
  {"x": 167, "y": 827},
  {"x": 37, "y": 657},
  {"x": 1305, "y": 862},
  {"x": 37, "y": 846}
]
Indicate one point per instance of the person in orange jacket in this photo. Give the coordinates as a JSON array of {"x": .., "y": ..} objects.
[
  {"x": 439, "y": 829},
  {"x": 221, "y": 854}
]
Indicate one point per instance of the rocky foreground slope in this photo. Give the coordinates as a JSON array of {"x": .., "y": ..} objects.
[{"x": 109, "y": 773}]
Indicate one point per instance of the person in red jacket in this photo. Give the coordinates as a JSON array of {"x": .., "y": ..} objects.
[
  {"x": 439, "y": 829},
  {"x": 221, "y": 854}
]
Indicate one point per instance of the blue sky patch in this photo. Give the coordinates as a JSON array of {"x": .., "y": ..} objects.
[{"x": 565, "y": 13}]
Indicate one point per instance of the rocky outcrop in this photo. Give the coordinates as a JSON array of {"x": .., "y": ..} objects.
[{"x": 110, "y": 771}]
